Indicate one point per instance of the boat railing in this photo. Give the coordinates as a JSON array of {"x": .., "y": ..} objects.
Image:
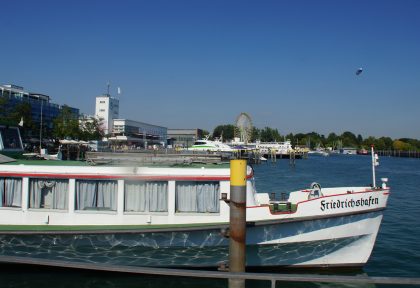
[
  {"x": 130, "y": 158},
  {"x": 273, "y": 278}
]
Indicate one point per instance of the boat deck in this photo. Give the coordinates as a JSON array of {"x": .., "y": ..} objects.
[{"x": 69, "y": 163}]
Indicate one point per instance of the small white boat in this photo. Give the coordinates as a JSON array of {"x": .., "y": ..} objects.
[
  {"x": 318, "y": 152},
  {"x": 173, "y": 216}
]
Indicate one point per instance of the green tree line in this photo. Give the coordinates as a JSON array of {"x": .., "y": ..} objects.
[{"x": 313, "y": 140}]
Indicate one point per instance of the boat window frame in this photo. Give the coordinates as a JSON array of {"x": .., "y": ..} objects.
[
  {"x": 21, "y": 195},
  {"x": 91, "y": 210},
  {"x": 197, "y": 213},
  {"x": 67, "y": 209},
  {"x": 145, "y": 212}
]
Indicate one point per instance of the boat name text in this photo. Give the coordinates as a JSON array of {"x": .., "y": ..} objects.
[{"x": 337, "y": 204}]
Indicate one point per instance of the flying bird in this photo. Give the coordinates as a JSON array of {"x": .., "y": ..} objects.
[{"x": 359, "y": 71}]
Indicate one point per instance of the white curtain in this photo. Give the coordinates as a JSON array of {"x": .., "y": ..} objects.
[
  {"x": 48, "y": 193},
  {"x": 60, "y": 194},
  {"x": 85, "y": 194},
  {"x": 107, "y": 193},
  {"x": 10, "y": 192},
  {"x": 96, "y": 194},
  {"x": 146, "y": 196},
  {"x": 197, "y": 197}
]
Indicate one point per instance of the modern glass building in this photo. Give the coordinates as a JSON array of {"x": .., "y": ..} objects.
[
  {"x": 40, "y": 103},
  {"x": 138, "y": 134}
]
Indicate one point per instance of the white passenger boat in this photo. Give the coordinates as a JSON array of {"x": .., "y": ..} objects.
[
  {"x": 172, "y": 216},
  {"x": 280, "y": 149},
  {"x": 206, "y": 145}
]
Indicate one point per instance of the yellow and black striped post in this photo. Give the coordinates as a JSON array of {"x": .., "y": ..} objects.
[{"x": 237, "y": 223}]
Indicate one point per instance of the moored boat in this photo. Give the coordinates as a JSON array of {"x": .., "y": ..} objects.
[
  {"x": 172, "y": 216},
  {"x": 279, "y": 149},
  {"x": 206, "y": 145}
]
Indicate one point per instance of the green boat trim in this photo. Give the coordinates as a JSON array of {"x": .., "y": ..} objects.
[
  {"x": 47, "y": 163},
  {"x": 106, "y": 229}
]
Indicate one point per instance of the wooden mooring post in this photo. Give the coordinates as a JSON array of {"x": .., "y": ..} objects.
[
  {"x": 292, "y": 158},
  {"x": 237, "y": 221},
  {"x": 272, "y": 155}
]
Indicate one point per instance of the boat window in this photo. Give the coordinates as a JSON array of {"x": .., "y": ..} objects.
[
  {"x": 48, "y": 193},
  {"x": 146, "y": 196},
  {"x": 10, "y": 138},
  {"x": 96, "y": 195},
  {"x": 10, "y": 192},
  {"x": 197, "y": 196}
]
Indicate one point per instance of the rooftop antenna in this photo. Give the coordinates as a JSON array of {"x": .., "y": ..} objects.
[{"x": 108, "y": 84}]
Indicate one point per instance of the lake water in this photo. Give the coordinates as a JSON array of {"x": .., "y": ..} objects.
[{"x": 396, "y": 252}]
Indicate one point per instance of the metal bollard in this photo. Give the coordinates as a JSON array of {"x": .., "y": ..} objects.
[{"x": 237, "y": 223}]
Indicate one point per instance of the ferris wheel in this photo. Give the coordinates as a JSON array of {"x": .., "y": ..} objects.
[{"x": 244, "y": 127}]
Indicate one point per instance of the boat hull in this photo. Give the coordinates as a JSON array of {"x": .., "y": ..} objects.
[{"x": 300, "y": 243}]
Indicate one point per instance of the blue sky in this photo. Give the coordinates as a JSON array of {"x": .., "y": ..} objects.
[{"x": 198, "y": 64}]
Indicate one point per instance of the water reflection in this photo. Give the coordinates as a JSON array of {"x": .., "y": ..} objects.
[{"x": 31, "y": 277}]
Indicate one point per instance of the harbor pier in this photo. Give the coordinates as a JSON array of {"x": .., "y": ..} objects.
[{"x": 399, "y": 153}]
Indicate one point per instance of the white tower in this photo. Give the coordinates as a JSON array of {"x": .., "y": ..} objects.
[{"x": 107, "y": 109}]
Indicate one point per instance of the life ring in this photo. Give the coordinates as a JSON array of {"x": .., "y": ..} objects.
[
  {"x": 315, "y": 191},
  {"x": 315, "y": 185}
]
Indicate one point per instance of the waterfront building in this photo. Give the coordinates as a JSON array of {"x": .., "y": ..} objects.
[
  {"x": 107, "y": 109},
  {"x": 134, "y": 134},
  {"x": 40, "y": 103},
  {"x": 184, "y": 137}
]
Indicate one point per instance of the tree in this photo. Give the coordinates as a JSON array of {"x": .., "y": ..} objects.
[
  {"x": 5, "y": 111},
  {"x": 66, "y": 125},
  {"x": 227, "y": 131},
  {"x": 300, "y": 139},
  {"x": 270, "y": 135},
  {"x": 414, "y": 143},
  {"x": 291, "y": 138},
  {"x": 349, "y": 139},
  {"x": 314, "y": 140},
  {"x": 331, "y": 140},
  {"x": 3, "y": 105},
  {"x": 380, "y": 144},
  {"x": 91, "y": 129},
  {"x": 369, "y": 142},
  {"x": 204, "y": 133},
  {"x": 400, "y": 145},
  {"x": 23, "y": 111},
  {"x": 387, "y": 143},
  {"x": 359, "y": 139}
]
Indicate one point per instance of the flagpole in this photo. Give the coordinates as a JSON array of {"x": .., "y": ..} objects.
[
  {"x": 40, "y": 131},
  {"x": 375, "y": 162}
]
